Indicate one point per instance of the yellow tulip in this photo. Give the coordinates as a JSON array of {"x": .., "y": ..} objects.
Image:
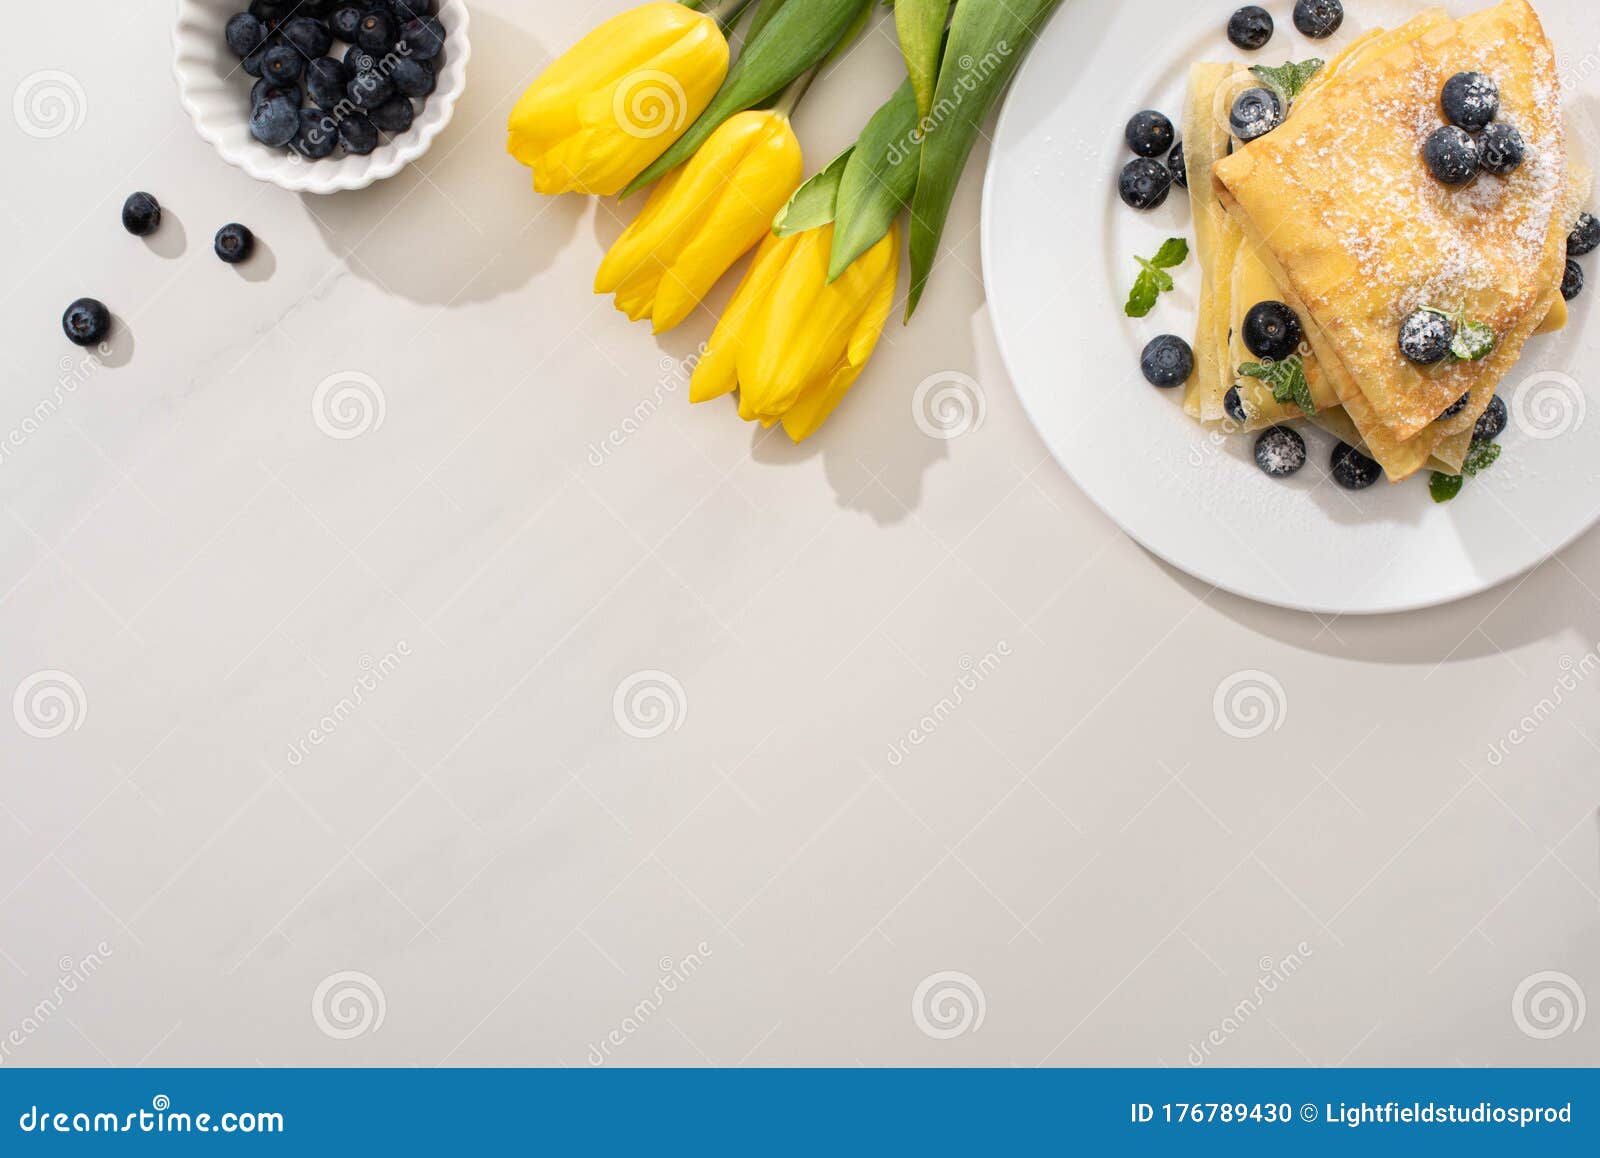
[
  {"x": 702, "y": 218},
  {"x": 793, "y": 344},
  {"x": 615, "y": 101}
]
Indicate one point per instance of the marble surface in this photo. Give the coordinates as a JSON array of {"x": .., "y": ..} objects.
[{"x": 548, "y": 720}]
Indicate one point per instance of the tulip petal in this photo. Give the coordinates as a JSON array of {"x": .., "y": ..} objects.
[{"x": 718, "y": 370}]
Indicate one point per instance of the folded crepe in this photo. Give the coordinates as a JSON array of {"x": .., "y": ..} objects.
[{"x": 1340, "y": 210}]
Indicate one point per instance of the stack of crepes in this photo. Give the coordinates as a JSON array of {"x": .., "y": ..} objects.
[{"x": 1336, "y": 214}]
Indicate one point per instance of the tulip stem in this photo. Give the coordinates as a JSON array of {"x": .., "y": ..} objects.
[
  {"x": 724, "y": 12},
  {"x": 789, "y": 99}
]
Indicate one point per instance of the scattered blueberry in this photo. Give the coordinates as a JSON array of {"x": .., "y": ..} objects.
[
  {"x": 1470, "y": 100},
  {"x": 358, "y": 134},
  {"x": 1452, "y": 155},
  {"x": 1280, "y": 451},
  {"x": 375, "y": 32},
  {"x": 424, "y": 38},
  {"x": 244, "y": 34},
  {"x": 1250, "y": 28},
  {"x": 1425, "y": 337},
  {"x": 275, "y": 120},
  {"x": 1458, "y": 405},
  {"x": 1272, "y": 331},
  {"x": 1585, "y": 236},
  {"x": 283, "y": 64},
  {"x": 86, "y": 322},
  {"x": 1492, "y": 423},
  {"x": 1353, "y": 470},
  {"x": 1256, "y": 112},
  {"x": 1318, "y": 19},
  {"x": 1234, "y": 405},
  {"x": 393, "y": 115},
  {"x": 1149, "y": 134},
  {"x": 1177, "y": 167},
  {"x": 141, "y": 214},
  {"x": 317, "y": 135},
  {"x": 1572, "y": 280},
  {"x": 1144, "y": 184},
  {"x": 326, "y": 79},
  {"x": 1167, "y": 361},
  {"x": 344, "y": 21},
  {"x": 311, "y": 37},
  {"x": 1500, "y": 149},
  {"x": 414, "y": 78},
  {"x": 234, "y": 243},
  {"x": 368, "y": 90}
]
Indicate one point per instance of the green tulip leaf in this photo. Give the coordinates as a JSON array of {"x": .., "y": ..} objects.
[
  {"x": 797, "y": 37},
  {"x": 986, "y": 44},
  {"x": 879, "y": 179},
  {"x": 920, "y": 25},
  {"x": 813, "y": 204}
]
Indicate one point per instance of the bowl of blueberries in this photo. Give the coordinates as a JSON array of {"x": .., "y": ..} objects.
[{"x": 318, "y": 96}]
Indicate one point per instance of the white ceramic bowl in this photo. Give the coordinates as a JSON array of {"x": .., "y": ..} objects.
[{"x": 215, "y": 91}]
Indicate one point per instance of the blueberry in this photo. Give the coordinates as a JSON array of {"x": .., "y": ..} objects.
[
  {"x": 345, "y": 20},
  {"x": 368, "y": 90},
  {"x": 270, "y": 11},
  {"x": 86, "y": 322},
  {"x": 1176, "y": 166},
  {"x": 411, "y": 9},
  {"x": 1585, "y": 236},
  {"x": 1470, "y": 100},
  {"x": 1425, "y": 337},
  {"x": 1234, "y": 405},
  {"x": 1250, "y": 28},
  {"x": 414, "y": 78},
  {"x": 326, "y": 79},
  {"x": 234, "y": 243},
  {"x": 141, "y": 214},
  {"x": 393, "y": 115},
  {"x": 1452, "y": 155},
  {"x": 1167, "y": 361},
  {"x": 358, "y": 59},
  {"x": 1500, "y": 149},
  {"x": 317, "y": 135},
  {"x": 1318, "y": 19},
  {"x": 1572, "y": 280},
  {"x": 244, "y": 34},
  {"x": 358, "y": 134},
  {"x": 375, "y": 32},
  {"x": 264, "y": 88},
  {"x": 1458, "y": 405},
  {"x": 1280, "y": 451},
  {"x": 1492, "y": 423},
  {"x": 423, "y": 38},
  {"x": 1144, "y": 183},
  {"x": 1149, "y": 133},
  {"x": 310, "y": 36},
  {"x": 283, "y": 64},
  {"x": 1255, "y": 113},
  {"x": 252, "y": 64},
  {"x": 275, "y": 120},
  {"x": 1272, "y": 331},
  {"x": 1353, "y": 470}
]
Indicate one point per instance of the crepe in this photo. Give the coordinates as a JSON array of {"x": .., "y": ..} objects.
[{"x": 1340, "y": 207}]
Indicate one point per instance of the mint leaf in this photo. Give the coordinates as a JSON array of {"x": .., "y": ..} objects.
[
  {"x": 1287, "y": 379},
  {"x": 1444, "y": 487},
  {"x": 1481, "y": 455},
  {"x": 1473, "y": 341},
  {"x": 1154, "y": 280},
  {"x": 1289, "y": 79}
]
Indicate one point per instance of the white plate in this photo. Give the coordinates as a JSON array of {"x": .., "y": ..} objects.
[{"x": 1058, "y": 258}]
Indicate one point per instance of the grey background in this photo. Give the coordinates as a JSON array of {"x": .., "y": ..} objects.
[{"x": 1086, "y": 864}]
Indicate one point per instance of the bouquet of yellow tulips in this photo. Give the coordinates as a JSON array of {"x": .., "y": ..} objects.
[{"x": 650, "y": 98}]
